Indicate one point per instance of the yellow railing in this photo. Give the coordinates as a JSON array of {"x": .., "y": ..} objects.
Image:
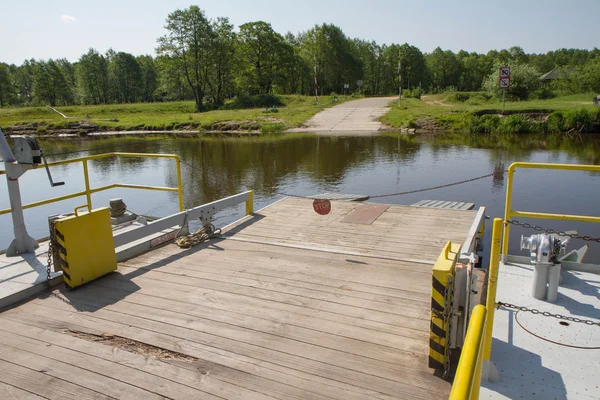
[
  {"x": 478, "y": 342},
  {"x": 89, "y": 191},
  {"x": 509, "y": 213},
  {"x": 468, "y": 374}
]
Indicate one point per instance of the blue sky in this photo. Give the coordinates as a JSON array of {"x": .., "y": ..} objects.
[{"x": 65, "y": 28}]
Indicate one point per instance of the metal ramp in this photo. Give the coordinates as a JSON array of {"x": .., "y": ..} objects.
[{"x": 450, "y": 205}]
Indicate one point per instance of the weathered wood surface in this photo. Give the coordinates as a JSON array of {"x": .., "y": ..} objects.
[{"x": 261, "y": 320}]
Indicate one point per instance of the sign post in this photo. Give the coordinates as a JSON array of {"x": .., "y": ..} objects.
[
  {"x": 316, "y": 86},
  {"x": 399, "y": 82},
  {"x": 504, "y": 77},
  {"x": 359, "y": 83}
]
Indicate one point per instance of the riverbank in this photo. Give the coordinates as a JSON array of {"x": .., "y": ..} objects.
[
  {"x": 160, "y": 117},
  {"x": 477, "y": 113}
]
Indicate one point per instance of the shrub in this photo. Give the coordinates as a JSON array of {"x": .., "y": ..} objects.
[
  {"x": 556, "y": 122},
  {"x": 515, "y": 123},
  {"x": 484, "y": 124},
  {"x": 256, "y": 101},
  {"x": 524, "y": 81},
  {"x": 270, "y": 127},
  {"x": 460, "y": 97},
  {"x": 580, "y": 119},
  {"x": 545, "y": 93},
  {"x": 412, "y": 94}
]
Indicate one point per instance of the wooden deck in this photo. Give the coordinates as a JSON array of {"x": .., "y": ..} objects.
[{"x": 293, "y": 306}]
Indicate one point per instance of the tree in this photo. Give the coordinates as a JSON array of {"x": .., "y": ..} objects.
[
  {"x": 586, "y": 78},
  {"x": 6, "y": 85},
  {"x": 51, "y": 82},
  {"x": 445, "y": 69},
  {"x": 149, "y": 77},
  {"x": 263, "y": 54},
  {"x": 188, "y": 43},
  {"x": 92, "y": 74},
  {"x": 220, "y": 79},
  {"x": 524, "y": 79},
  {"x": 126, "y": 77}
]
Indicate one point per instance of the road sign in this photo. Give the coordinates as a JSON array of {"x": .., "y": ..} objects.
[
  {"x": 504, "y": 83},
  {"x": 359, "y": 83},
  {"x": 322, "y": 207},
  {"x": 504, "y": 72}
]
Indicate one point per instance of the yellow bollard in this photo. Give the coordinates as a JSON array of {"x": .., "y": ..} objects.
[
  {"x": 250, "y": 203},
  {"x": 492, "y": 286}
]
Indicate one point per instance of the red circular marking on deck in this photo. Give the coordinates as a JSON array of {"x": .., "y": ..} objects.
[{"x": 322, "y": 207}]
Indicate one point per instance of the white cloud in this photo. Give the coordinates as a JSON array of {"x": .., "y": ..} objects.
[{"x": 67, "y": 19}]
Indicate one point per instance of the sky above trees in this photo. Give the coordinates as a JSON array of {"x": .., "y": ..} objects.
[{"x": 68, "y": 28}]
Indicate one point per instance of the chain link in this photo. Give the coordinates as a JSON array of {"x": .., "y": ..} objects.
[
  {"x": 50, "y": 250},
  {"x": 547, "y": 314},
  {"x": 552, "y": 231}
]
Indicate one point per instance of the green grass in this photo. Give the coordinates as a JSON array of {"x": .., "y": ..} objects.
[
  {"x": 455, "y": 115},
  {"x": 166, "y": 116}
]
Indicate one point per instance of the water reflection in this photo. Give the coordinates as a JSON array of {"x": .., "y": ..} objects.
[{"x": 306, "y": 164}]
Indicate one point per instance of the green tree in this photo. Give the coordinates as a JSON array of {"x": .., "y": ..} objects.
[
  {"x": 189, "y": 43},
  {"x": 126, "y": 77},
  {"x": 6, "y": 85},
  {"x": 92, "y": 74},
  {"x": 524, "y": 79},
  {"x": 445, "y": 69},
  {"x": 52, "y": 82},
  {"x": 149, "y": 77},
  {"x": 263, "y": 54},
  {"x": 220, "y": 79},
  {"x": 586, "y": 78}
]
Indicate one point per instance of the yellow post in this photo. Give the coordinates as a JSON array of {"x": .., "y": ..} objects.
[
  {"x": 508, "y": 207},
  {"x": 86, "y": 176},
  {"x": 179, "y": 185},
  {"x": 477, "y": 377},
  {"x": 250, "y": 203},
  {"x": 492, "y": 285},
  {"x": 468, "y": 373}
]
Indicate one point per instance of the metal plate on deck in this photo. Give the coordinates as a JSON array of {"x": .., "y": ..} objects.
[
  {"x": 365, "y": 214},
  {"x": 340, "y": 197},
  {"x": 451, "y": 205}
]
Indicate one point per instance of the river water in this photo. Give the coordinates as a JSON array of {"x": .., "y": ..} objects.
[{"x": 305, "y": 165}]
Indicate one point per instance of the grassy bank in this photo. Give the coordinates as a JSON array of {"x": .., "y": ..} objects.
[
  {"x": 167, "y": 116},
  {"x": 477, "y": 113}
]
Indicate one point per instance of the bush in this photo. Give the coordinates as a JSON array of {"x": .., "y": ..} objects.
[
  {"x": 581, "y": 120},
  {"x": 256, "y": 101},
  {"x": 545, "y": 93},
  {"x": 515, "y": 123},
  {"x": 412, "y": 94},
  {"x": 484, "y": 124},
  {"x": 269, "y": 127},
  {"x": 556, "y": 122},
  {"x": 524, "y": 81},
  {"x": 460, "y": 97}
]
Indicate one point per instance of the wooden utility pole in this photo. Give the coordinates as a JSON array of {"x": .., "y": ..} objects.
[{"x": 399, "y": 82}]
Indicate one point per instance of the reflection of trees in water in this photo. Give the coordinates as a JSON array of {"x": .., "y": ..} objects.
[{"x": 225, "y": 167}]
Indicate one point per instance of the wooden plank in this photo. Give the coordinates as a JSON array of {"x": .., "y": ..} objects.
[
  {"x": 44, "y": 385},
  {"x": 37, "y": 358},
  {"x": 111, "y": 378},
  {"x": 341, "y": 197},
  {"x": 14, "y": 393},
  {"x": 328, "y": 374},
  {"x": 187, "y": 375},
  {"x": 365, "y": 214}
]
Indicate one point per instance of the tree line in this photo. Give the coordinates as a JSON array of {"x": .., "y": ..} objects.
[{"x": 209, "y": 61}]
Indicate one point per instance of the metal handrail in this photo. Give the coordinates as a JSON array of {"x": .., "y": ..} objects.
[
  {"x": 510, "y": 213},
  {"x": 89, "y": 191},
  {"x": 468, "y": 374}
]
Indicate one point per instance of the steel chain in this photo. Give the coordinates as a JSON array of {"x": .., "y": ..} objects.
[
  {"x": 552, "y": 231},
  {"x": 50, "y": 250},
  {"x": 547, "y": 314}
]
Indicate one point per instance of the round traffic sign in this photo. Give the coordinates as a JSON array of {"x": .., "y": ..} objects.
[{"x": 322, "y": 207}]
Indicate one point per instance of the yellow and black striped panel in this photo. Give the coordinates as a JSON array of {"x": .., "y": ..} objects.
[
  {"x": 60, "y": 257},
  {"x": 443, "y": 269}
]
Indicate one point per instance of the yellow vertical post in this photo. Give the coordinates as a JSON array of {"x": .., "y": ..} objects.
[
  {"x": 250, "y": 203},
  {"x": 179, "y": 185},
  {"x": 508, "y": 208},
  {"x": 492, "y": 286},
  {"x": 86, "y": 176},
  {"x": 477, "y": 377},
  {"x": 468, "y": 373}
]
